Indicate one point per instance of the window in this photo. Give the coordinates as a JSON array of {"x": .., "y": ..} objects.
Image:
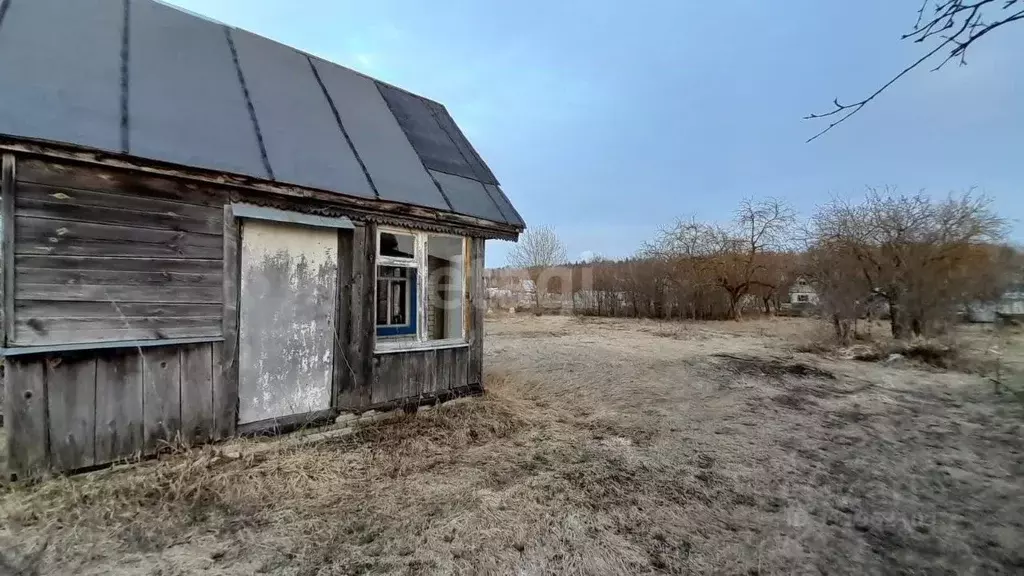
[
  {"x": 395, "y": 245},
  {"x": 446, "y": 287},
  {"x": 421, "y": 288},
  {"x": 396, "y": 299},
  {"x": 803, "y": 298}
]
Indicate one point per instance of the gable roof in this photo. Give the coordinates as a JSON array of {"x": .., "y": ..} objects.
[{"x": 141, "y": 78}]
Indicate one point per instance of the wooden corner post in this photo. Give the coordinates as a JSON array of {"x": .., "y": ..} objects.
[
  {"x": 478, "y": 305},
  {"x": 362, "y": 318},
  {"x": 225, "y": 384},
  {"x": 7, "y": 186}
]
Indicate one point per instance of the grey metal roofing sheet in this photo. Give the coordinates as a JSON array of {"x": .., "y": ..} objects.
[
  {"x": 437, "y": 150},
  {"x": 447, "y": 123},
  {"x": 394, "y": 167},
  {"x": 304, "y": 144},
  {"x": 186, "y": 104},
  {"x": 60, "y": 78},
  {"x": 511, "y": 214},
  {"x": 162, "y": 84},
  {"x": 468, "y": 196}
]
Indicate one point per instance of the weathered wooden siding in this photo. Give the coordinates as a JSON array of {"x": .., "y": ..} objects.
[
  {"x": 103, "y": 258},
  {"x": 477, "y": 307},
  {"x": 408, "y": 377},
  {"x": 287, "y": 303},
  {"x": 100, "y": 254},
  {"x": 74, "y": 410},
  {"x": 404, "y": 377},
  {"x": 354, "y": 374}
]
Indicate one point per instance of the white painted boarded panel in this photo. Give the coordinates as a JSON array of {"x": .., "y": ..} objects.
[{"x": 286, "y": 332}]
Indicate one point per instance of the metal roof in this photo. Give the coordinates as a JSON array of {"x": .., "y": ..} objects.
[{"x": 142, "y": 78}]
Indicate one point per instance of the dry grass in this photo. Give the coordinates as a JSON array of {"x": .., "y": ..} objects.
[{"x": 602, "y": 447}]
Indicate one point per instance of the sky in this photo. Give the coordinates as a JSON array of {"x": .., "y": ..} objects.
[{"x": 607, "y": 120}]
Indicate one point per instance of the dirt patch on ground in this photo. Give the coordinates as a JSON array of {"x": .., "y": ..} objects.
[
  {"x": 601, "y": 447},
  {"x": 772, "y": 368}
]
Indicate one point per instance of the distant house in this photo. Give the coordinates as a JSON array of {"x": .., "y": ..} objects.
[
  {"x": 801, "y": 293},
  {"x": 1009, "y": 306},
  {"x": 208, "y": 233}
]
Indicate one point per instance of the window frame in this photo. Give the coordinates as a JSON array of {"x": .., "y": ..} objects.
[
  {"x": 410, "y": 322},
  {"x": 385, "y": 344}
]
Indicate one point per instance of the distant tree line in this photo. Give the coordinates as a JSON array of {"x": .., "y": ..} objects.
[
  {"x": 910, "y": 258},
  {"x": 698, "y": 270}
]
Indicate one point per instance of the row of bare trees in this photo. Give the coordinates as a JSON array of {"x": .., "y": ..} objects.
[
  {"x": 911, "y": 258},
  {"x": 696, "y": 269}
]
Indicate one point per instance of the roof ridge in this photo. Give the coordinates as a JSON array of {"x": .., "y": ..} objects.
[{"x": 189, "y": 12}]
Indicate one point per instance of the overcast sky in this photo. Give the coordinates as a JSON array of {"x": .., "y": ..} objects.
[{"x": 609, "y": 119}]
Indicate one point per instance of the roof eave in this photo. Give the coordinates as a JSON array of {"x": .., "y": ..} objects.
[{"x": 360, "y": 208}]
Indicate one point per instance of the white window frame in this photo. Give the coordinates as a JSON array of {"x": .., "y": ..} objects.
[{"x": 419, "y": 263}]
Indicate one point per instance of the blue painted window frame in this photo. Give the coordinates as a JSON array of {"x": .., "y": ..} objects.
[{"x": 406, "y": 329}]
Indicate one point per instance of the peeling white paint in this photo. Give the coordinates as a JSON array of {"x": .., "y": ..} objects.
[{"x": 288, "y": 293}]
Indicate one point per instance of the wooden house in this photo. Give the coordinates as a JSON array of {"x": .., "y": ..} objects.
[{"x": 207, "y": 233}]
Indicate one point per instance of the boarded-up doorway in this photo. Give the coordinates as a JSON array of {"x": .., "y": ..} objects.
[{"x": 286, "y": 332}]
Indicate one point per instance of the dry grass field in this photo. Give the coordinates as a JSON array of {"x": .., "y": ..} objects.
[{"x": 602, "y": 447}]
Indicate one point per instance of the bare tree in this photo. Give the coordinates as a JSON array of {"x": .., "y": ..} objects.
[
  {"x": 919, "y": 256},
  {"x": 764, "y": 229},
  {"x": 538, "y": 249},
  {"x": 738, "y": 259},
  {"x": 953, "y": 26}
]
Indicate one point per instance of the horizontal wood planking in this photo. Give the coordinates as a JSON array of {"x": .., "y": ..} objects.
[
  {"x": 84, "y": 177},
  {"x": 28, "y": 309},
  {"x": 38, "y": 201},
  {"x": 73, "y": 276},
  {"x": 104, "y": 255},
  {"x": 40, "y": 328},
  {"x": 138, "y": 198},
  {"x": 120, "y": 264},
  {"x": 39, "y": 324},
  {"x": 114, "y": 334},
  {"x": 113, "y": 293},
  {"x": 66, "y": 237}
]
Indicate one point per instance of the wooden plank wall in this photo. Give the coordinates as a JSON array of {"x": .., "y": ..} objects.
[
  {"x": 80, "y": 409},
  {"x": 477, "y": 308},
  {"x": 344, "y": 373},
  {"x": 7, "y": 176},
  {"x": 225, "y": 380},
  {"x": 100, "y": 256},
  {"x": 354, "y": 380},
  {"x": 412, "y": 376}
]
